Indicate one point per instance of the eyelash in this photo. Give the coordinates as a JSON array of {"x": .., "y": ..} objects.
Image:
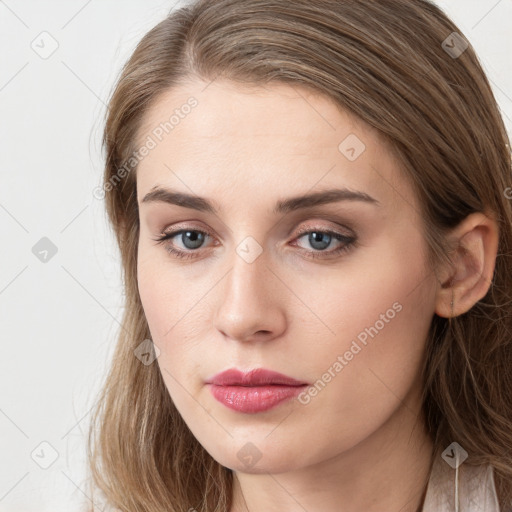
[{"x": 349, "y": 243}]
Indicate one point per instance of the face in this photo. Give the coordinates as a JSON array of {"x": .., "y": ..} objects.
[{"x": 333, "y": 291}]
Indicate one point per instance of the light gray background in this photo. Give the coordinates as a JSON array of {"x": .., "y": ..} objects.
[{"x": 59, "y": 319}]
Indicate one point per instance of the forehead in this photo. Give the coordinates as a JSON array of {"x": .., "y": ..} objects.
[
  {"x": 229, "y": 110},
  {"x": 261, "y": 141}
]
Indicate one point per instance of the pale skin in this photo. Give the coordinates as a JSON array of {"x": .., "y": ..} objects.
[{"x": 359, "y": 444}]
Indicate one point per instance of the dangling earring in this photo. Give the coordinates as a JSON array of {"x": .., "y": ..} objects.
[{"x": 451, "y": 303}]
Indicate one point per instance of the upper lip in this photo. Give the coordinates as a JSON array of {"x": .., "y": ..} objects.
[{"x": 257, "y": 377}]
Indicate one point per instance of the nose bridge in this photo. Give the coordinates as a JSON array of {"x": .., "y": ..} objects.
[
  {"x": 249, "y": 258},
  {"x": 246, "y": 282},
  {"x": 248, "y": 301}
]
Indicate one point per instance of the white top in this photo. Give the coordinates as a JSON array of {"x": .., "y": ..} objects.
[{"x": 474, "y": 487}]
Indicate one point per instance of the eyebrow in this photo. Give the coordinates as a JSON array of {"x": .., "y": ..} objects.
[{"x": 169, "y": 196}]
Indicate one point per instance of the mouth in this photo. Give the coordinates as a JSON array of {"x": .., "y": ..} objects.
[
  {"x": 254, "y": 391},
  {"x": 257, "y": 377}
]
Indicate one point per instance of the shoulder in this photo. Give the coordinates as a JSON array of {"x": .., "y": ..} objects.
[{"x": 472, "y": 486}]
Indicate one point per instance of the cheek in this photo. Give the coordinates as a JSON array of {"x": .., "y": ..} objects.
[
  {"x": 169, "y": 301},
  {"x": 380, "y": 317},
  {"x": 176, "y": 319},
  {"x": 156, "y": 299}
]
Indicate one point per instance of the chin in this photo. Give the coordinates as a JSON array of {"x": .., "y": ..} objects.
[{"x": 259, "y": 457}]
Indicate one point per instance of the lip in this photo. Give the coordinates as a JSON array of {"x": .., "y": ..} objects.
[
  {"x": 256, "y": 377},
  {"x": 254, "y": 391}
]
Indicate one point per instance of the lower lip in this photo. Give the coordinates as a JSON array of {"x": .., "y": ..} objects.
[{"x": 253, "y": 399}]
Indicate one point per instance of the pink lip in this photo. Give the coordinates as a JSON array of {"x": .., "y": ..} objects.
[
  {"x": 257, "y": 377},
  {"x": 254, "y": 391}
]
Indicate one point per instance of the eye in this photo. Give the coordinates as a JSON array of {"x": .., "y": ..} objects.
[
  {"x": 191, "y": 238},
  {"x": 319, "y": 239}
]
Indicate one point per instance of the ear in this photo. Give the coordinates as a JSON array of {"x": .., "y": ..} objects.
[{"x": 469, "y": 277}]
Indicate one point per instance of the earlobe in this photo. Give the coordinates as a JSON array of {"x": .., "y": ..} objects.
[{"x": 469, "y": 277}]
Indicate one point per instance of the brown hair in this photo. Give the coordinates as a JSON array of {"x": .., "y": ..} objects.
[{"x": 388, "y": 63}]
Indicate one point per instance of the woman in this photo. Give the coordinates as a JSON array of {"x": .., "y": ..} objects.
[{"x": 312, "y": 204}]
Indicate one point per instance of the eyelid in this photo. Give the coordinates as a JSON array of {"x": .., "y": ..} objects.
[
  {"x": 306, "y": 229},
  {"x": 349, "y": 243},
  {"x": 185, "y": 226}
]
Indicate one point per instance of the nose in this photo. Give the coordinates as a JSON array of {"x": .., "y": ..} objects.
[{"x": 251, "y": 301}]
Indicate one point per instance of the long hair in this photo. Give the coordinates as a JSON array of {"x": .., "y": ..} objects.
[{"x": 398, "y": 66}]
